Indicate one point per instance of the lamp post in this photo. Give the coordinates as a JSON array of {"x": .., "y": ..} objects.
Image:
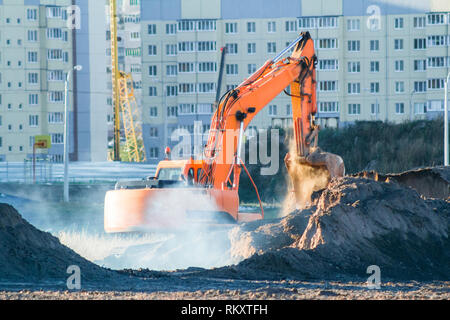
[
  {"x": 446, "y": 122},
  {"x": 66, "y": 135}
]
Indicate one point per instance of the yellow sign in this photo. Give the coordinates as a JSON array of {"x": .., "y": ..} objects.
[{"x": 43, "y": 142}]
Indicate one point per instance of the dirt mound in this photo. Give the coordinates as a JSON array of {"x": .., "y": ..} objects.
[
  {"x": 433, "y": 182},
  {"x": 28, "y": 254},
  {"x": 355, "y": 223}
]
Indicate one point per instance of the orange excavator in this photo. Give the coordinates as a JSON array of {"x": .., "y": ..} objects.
[{"x": 206, "y": 190}]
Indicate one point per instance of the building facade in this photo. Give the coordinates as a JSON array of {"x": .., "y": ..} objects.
[
  {"x": 378, "y": 60},
  {"x": 40, "y": 41}
]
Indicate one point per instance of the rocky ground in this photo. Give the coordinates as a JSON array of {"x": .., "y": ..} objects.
[{"x": 321, "y": 252}]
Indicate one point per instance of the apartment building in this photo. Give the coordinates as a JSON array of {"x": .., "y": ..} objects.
[
  {"x": 37, "y": 48},
  {"x": 378, "y": 60}
]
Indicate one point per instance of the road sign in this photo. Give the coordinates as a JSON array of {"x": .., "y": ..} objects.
[{"x": 43, "y": 142}]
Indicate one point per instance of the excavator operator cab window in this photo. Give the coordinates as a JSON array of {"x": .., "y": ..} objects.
[{"x": 172, "y": 174}]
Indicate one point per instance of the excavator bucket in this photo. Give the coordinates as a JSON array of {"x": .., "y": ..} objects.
[{"x": 312, "y": 173}]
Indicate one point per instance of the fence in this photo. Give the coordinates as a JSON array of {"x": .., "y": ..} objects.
[{"x": 79, "y": 172}]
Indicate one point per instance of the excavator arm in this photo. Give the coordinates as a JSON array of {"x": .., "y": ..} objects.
[{"x": 239, "y": 106}]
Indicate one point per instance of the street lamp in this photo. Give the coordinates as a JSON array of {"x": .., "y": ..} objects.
[
  {"x": 446, "y": 122},
  {"x": 66, "y": 135}
]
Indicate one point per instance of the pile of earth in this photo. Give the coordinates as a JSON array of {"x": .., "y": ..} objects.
[
  {"x": 353, "y": 224},
  {"x": 28, "y": 254}
]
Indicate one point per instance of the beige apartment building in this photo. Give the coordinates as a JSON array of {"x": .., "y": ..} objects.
[
  {"x": 40, "y": 41},
  {"x": 378, "y": 60}
]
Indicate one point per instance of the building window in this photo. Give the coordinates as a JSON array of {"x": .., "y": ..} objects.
[
  {"x": 186, "y": 25},
  {"x": 435, "y": 84},
  {"x": 33, "y": 78},
  {"x": 207, "y": 87},
  {"x": 328, "y": 85},
  {"x": 374, "y": 87},
  {"x": 291, "y": 26},
  {"x": 353, "y": 25},
  {"x": 57, "y": 138},
  {"x": 251, "y": 68},
  {"x": 251, "y": 48},
  {"x": 354, "y": 109},
  {"x": 231, "y": 27},
  {"x": 206, "y": 25},
  {"x": 171, "y": 70},
  {"x": 399, "y": 65},
  {"x": 152, "y": 71},
  {"x": 354, "y": 67},
  {"x": 32, "y": 35},
  {"x": 152, "y": 92},
  {"x": 420, "y": 86},
  {"x": 32, "y": 57},
  {"x": 54, "y": 33},
  {"x": 206, "y": 46},
  {"x": 32, "y": 14},
  {"x": 271, "y": 26},
  {"x": 55, "y": 75},
  {"x": 172, "y": 111},
  {"x": 232, "y": 69},
  {"x": 328, "y": 65},
  {"x": 353, "y": 45},
  {"x": 329, "y": 107},
  {"x": 374, "y": 45},
  {"x": 55, "y": 96},
  {"x": 271, "y": 47},
  {"x": 56, "y": 117},
  {"x": 420, "y": 65},
  {"x": 420, "y": 44},
  {"x": 232, "y": 48},
  {"x": 399, "y": 87},
  {"x": 331, "y": 43},
  {"x": 353, "y": 88},
  {"x": 436, "y": 18},
  {"x": 438, "y": 41},
  {"x": 272, "y": 110},
  {"x": 153, "y": 132},
  {"x": 419, "y": 22},
  {"x": 186, "y": 67},
  {"x": 154, "y": 152},
  {"x": 153, "y": 112},
  {"x": 251, "y": 27},
  {"x": 438, "y": 62},
  {"x": 420, "y": 108},
  {"x": 399, "y": 108},
  {"x": 151, "y": 29},
  {"x": 186, "y": 46},
  {"x": 54, "y": 54},
  {"x": 374, "y": 66},
  {"x": 398, "y": 44},
  {"x": 375, "y": 108},
  {"x": 152, "y": 50},
  {"x": 172, "y": 91},
  {"x": 207, "y": 67},
  {"x": 33, "y": 120},
  {"x": 33, "y": 99},
  {"x": 398, "y": 23},
  {"x": 171, "y": 28},
  {"x": 171, "y": 49},
  {"x": 186, "y": 88}
]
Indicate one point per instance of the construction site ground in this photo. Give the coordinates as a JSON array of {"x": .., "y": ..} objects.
[{"x": 399, "y": 223}]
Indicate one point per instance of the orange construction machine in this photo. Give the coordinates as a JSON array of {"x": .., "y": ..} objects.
[{"x": 214, "y": 179}]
